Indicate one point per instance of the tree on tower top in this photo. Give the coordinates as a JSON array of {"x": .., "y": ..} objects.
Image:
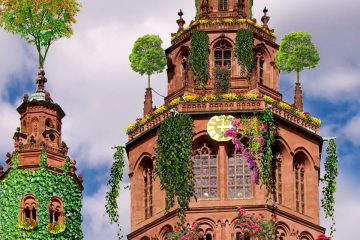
[{"x": 40, "y": 22}]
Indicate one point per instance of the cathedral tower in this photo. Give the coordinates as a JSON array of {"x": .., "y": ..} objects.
[
  {"x": 40, "y": 192},
  {"x": 222, "y": 179}
]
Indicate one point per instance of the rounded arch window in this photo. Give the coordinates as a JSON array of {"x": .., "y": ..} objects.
[
  {"x": 222, "y": 54},
  {"x": 147, "y": 170},
  {"x": 28, "y": 208},
  {"x": 56, "y": 214}
]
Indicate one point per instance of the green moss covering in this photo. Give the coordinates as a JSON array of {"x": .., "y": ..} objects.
[{"x": 43, "y": 185}]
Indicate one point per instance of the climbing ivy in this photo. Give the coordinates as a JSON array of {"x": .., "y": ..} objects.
[
  {"x": 173, "y": 162},
  {"x": 116, "y": 176},
  {"x": 197, "y": 9},
  {"x": 244, "y": 51},
  {"x": 329, "y": 180},
  {"x": 199, "y": 57},
  {"x": 43, "y": 184}
]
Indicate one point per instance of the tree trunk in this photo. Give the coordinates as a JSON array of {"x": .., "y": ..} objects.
[
  {"x": 297, "y": 76},
  {"x": 148, "y": 81}
]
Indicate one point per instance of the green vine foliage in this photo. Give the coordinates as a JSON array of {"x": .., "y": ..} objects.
[
  {"x": 329, "y": 180},
  {"x": 197, "y": 9},
  {"x": 244, "y": 51},
  {"x": 116, "y": 176},
  {"x": 199, "y": 57},
  {"x": 43, "y": 185},
  {"x": 173, "y": 162}
]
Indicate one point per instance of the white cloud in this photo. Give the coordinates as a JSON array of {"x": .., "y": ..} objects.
[{"x": 96, "y": 225}]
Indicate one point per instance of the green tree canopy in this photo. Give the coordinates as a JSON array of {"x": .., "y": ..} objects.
[
  {"x": 39, "y": 21},
  {"x": 296, "y": 53},
  {"x": 147, "y": 56}
]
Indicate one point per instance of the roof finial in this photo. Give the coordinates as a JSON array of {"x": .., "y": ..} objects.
[
  {"x": 180, "y": 21},
  {"x": 265, "y": 19},
  {"x": 41, "y": 80}
]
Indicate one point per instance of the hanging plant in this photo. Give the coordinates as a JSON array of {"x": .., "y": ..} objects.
[
  {"x": 244, "y": 51},
  {"x": 56, "y": 228},
  {"x": 253, "y": 136},
  {"x": 116, "y": 176},
  {"x": 28, "y": 224},
  {"x": 199, "y": 57},
  {"x": 221, "y": 80},
  {"x": 173, "y": 162},
  {"x": 329, "y": 181},
  {"x": 197, "y": 9}
]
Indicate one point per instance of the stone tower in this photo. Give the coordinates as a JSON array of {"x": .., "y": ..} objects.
[
  {"x": 222, "y": 179},
  {"x": 40, "y": 192}
]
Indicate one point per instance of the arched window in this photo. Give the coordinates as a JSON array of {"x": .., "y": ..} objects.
[
  {"x": 223, "y": 5},
  {"x": 222, "y": 54},
  {"x": 28, "y": 208},
  {"x": 261, "y": 70},
  {"x": 299, "y": 170},
  {"x": 239, "y": 176},
  {"x": 56, "y": 214},
  {"x": 148, "y": 186},
  {"x": 205, "y": 172}
]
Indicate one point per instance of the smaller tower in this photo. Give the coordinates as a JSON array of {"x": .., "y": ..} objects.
[{"x": 40, "y": 192}]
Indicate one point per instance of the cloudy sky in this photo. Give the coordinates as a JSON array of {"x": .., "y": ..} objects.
[{"x": 90, "y": 77}]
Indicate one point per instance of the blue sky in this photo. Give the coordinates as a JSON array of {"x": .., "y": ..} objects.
[{"x": 90, "y": 77}]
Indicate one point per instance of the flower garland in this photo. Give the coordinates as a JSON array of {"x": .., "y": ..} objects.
[
  {"x": 173, "y": 163},
  {"x": 329, "y": 180},
  {"x": 199, "y": 57},
  {"x": 56, "y": 228},
  {"x": 28, "y": 224},
  {"x": 213, "y": 97},
  {"x": 223, "y": 21},
  {"x": 258, "y": 132},
  {"x": 116, "y": 176},
  {"x": 253, "y": 227}
]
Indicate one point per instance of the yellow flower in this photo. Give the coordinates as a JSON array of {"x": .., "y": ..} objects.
[
  {"x": 188, "y": 98},
  {"x": 284, "y": 105},
  {"x": 130, "y": 127},
  {"x": 229, "y": 96},
  {"x": 175, "y": 101},
  {"x": 316, "y": 120},
  {"x": 250, "y": 96},
  {"x": 160, "y": 110},
  {"x": 269, "y": 99}
]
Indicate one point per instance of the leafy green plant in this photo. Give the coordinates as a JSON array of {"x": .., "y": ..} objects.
[
  {"x": 116, "y": 176},
  {"x": 43, "y": 184},
  {"x": 181, "y": 232},
  {"x": 173, "y": 162},
  {"x": 199, "y": 57},
  {"x": 244, "y": 50},
  {"x": 221, "y": 79},
  {"x": 147, "y": 56},
  {"x": 40, "y": 22},
  {"x": 329, "y": 180},
  {"x": 297, "y": 52}
]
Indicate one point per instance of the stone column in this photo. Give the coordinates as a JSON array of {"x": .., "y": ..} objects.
[
  {"x": 148, "y": 101},
  {"x": 298, "y": 103}
]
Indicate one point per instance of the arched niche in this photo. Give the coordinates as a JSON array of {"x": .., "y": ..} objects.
[
  {"x": 56, "y": 211},
  {"x": 28, "y": 208},
  {"x": 282, "y": 231}
]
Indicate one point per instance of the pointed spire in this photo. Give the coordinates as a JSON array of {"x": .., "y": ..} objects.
[
  {"x": 298, "y": 102},
  {"x": 41, "y": 80}
]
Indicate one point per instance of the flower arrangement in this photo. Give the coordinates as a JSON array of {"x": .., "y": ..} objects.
[
  {"x": 56, "y": 228},
  {"x": 28, "y": 224},
  {"x": 221, "y": 80},
  {"x": 224, "y": 21},
  {"x": 183, "y": 233},
  {"x": 255, "y": 227},
  {"x": 293, "y": 110},
  {"x": 218, "y": 97},
  {"x": 323, "y": 237}
]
